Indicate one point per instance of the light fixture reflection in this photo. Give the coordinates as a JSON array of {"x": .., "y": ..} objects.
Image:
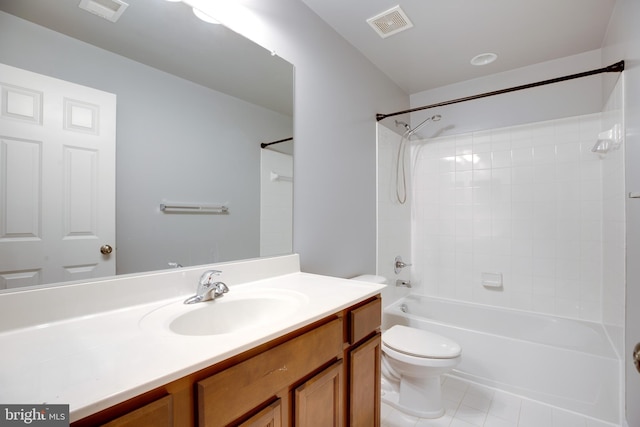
[
  {"x": 203, "y": 16},
  {"x": 483, "y": 59}
]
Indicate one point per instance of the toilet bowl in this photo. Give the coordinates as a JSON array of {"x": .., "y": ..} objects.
[{"x": 412, "y": 362}]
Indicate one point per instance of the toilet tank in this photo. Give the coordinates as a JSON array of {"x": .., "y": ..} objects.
[{"x": 371, "y": 278}]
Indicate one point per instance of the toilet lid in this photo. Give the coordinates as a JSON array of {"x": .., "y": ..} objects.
[{"x": 416, "y": 342}]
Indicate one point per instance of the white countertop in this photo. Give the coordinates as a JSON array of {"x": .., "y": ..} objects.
[{"x": 97, "y": 360}]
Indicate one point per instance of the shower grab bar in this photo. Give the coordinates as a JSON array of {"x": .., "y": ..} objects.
[{"x": 194, "y": 208}]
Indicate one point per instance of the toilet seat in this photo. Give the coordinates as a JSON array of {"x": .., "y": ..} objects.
[
  {"x": 419, "y": 362},
  {"x": 414, "y": 361},
  {"x": 419, "y": 343}
]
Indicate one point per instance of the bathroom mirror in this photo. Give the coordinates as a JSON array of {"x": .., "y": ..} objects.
[{"x": 194, "y": 102}]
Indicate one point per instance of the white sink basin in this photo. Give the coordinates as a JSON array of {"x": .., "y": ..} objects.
[{"x": 230, "y": 313}]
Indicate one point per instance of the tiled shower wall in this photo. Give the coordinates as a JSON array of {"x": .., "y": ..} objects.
[
  {"x": 613, "y": 224},
  {"x": 394, "y": 219},
  {"x": 524, "y": 203}
]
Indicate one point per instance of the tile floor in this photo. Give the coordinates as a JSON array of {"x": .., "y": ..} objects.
[{"x": 472, "y": 405}]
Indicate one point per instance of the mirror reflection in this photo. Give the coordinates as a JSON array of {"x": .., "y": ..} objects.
[{"x": 194, "y": 101}]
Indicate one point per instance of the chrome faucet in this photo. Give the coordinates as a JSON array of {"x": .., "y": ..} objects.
[
  {"x": 399, "y": 265},
  {"x": 208, "y": 289}
]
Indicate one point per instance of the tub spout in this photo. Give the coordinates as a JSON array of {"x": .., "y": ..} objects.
[{"x": 403, "y": 283}]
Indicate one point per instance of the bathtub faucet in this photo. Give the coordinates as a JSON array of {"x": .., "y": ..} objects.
[
  {"x": 399, "y": 265},
  {"x": 207, "y": 288},
  {"x": 403, "y": 283}
]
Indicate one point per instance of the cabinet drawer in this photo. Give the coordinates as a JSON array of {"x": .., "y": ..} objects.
[
  {"x": 228, "y": 395},
  {"x": 364, "y": 320},
  {"x": 155, "y": 414}
]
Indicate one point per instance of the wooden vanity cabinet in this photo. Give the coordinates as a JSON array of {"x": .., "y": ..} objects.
[
  {"x": 319, "y": 401},
  {"x": 227, "y": 396},
  {"x": 326, "y": 374},
  {"x": 363, "y": 367},
  {"x": 158, "y": 413},
  {"x": 271, "y": 416},
  {"x": 364, "y": 383}
]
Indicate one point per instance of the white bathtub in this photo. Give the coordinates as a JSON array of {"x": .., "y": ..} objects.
[{"x": 566, "y": 363}]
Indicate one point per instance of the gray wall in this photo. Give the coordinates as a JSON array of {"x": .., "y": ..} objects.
[
  {"x": 565, "y": 99},
  {"x": 337, "y": 94},
  {"x": 176, "y": 141},
  {"x": 623, "y": 42}
]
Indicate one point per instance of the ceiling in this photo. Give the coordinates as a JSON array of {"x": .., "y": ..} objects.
[
  {"x": 167, "y": 36},
  {"x": 446, "y": 34},
  {"x": 435, "y": 52}
]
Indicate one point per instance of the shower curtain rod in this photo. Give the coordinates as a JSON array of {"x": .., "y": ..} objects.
[
  {"x": 614, "y": 68},
  {"x": 266, "y": 144}
]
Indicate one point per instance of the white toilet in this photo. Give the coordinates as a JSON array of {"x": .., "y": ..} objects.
[{"x": 412, "y": 362}]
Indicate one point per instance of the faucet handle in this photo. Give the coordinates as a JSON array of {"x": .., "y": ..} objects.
[
  {"x": 207, "y": 277},
  {"x": 208, "y": 286},
  {"x": 220, "y": 288},
  {"x": 399, "y": 265}
]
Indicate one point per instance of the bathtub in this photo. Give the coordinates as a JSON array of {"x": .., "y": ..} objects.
[{"x": 566, "y": 363}]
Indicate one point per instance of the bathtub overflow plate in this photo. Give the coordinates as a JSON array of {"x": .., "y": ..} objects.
[{"x": 636, "y": 357}]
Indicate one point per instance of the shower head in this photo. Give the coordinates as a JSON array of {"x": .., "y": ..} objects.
[{"x": 433, "y": 118}]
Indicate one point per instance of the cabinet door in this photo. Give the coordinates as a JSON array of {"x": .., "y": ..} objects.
[
  {"x": 319, "y": 401},
  {"x": 364, "y": 384},
  {"x": 156, "y": 414},
  {"x": 271, "y": 416},
  {"x": 238, "y": 390}
]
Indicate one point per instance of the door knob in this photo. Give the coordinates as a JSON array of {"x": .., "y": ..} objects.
[
  {"x": 636, "y": 357},
  {"x": 106, "y": 249}
]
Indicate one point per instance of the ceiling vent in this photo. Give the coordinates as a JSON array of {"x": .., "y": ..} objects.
[
  {"x": 107, "y": 9},
  {"x": 390, "y": 22}
]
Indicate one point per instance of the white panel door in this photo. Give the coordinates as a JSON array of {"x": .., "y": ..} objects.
[{"x": 57, "y": 180}]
